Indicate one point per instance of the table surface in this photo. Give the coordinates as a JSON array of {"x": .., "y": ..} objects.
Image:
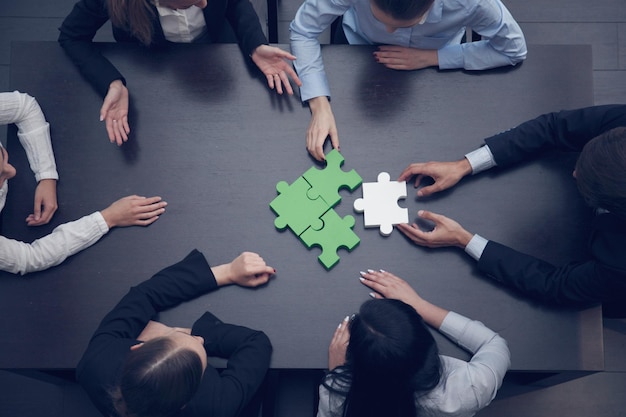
[{"x": 212, "y": 140}]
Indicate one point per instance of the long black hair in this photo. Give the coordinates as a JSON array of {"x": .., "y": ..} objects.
[{"x": 391, "y": 357}]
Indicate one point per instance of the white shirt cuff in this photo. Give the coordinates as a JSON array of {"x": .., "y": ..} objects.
[
  {"x": 481, "y": 159},
  {"x": 476, "y": 246}
]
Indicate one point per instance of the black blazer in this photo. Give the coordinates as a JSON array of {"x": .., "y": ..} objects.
[
  {"x": 601, "y": 277},
  {"x": 221, "y": 394},
  {"x": 87, "y": 16}
]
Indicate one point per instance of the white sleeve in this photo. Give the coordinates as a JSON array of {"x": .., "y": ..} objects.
[
  {"x": 65, "y": 240},
  {"x": 33, "y": 132},
  {"x": 491, "y": 359}
]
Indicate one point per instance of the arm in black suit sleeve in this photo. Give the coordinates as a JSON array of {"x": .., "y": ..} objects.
[
  {"x": 119, "y": 329},
  {"x": 76, "y": 37},
  {"x": 573, "y": 284},
  {"x": 245, "y": 23},
  {"x": 566, "y": 130},
  {"x": 248, "y": 352}
]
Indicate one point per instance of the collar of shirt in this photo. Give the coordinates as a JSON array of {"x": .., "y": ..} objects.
[{"x": 181, "y": 25}]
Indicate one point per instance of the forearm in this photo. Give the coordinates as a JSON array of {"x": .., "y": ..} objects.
[
  {"x": 567, "y": 130},
  {"x": 433, "y": 315},
  {"x": 76, "y": 38},
  {"x": 245, "y": 23},
  {"x": 574, "y": 284},
  {"x": 65, "y": 240}
]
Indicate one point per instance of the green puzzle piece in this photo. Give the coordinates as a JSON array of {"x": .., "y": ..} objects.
[
  {"x": 327, "y": 182},
  {"x": 295, "y": 209},
  {"x": 336, "y": 233},
  {"x": 305, "y": 207}
]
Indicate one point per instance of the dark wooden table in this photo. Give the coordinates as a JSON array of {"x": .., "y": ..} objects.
[{"x": 211, "y": 139}]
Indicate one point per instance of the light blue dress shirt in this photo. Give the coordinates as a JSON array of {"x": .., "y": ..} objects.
[{"x": 502, "y": 44}]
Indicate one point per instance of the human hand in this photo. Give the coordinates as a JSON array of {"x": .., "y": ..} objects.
[
  {"x": 388, "y": 285},
  {"x": 404, "y": 58},
  {"x": 115, "y": 112},
  {"x": 272, "y": 62},
  {"x": 134, "y": 210},
  {"x": 321, "y": 126},
  {"x": 445, "y": 174},
  {"x": 248, "y": 270},
  {"x": 45, "y": 203},
  {"x": 447, "y": 232},
  {"x": 339, "y": 344}
]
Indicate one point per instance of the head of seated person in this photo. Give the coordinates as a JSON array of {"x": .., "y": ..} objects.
[
  {"x": 601, "y": 172},
  {"x": 391, "y": 355},
  {"x": 160, "y": 376},
  {"x": 395, "y": 14}
]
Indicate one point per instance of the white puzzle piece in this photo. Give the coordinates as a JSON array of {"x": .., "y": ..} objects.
[{"x": 380, "y": 204}]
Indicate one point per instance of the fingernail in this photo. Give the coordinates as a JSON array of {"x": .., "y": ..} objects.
[
  {"x": 101, "y": 118},
  {"x": 361, "y": 279},
  {"x": 419, "y": 213},
  {"x": 362, "y": 273},
  {"x": 274, "y": 270},
  {"x": 371, "y": 271},
  {"x": 382, "y": 270},
  {"x": 372, "y": 295},
  {"x": 352, "y": 317},
  {"x": 347, "y": 318}
]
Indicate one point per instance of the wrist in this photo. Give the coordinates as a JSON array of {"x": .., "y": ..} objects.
[
  {"x": 108, "y": 218},
  {"x": 464, "y": 167},
  {"x": 464, "y": 238},
  {"x": 223, "y": 274},
  {"x": 320, "y": 103}
]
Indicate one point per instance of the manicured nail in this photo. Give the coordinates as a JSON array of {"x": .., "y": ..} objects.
[
  {"x": 382, "y": 270},
  {"x": 361, "y": 279},
  {"x": 372, "y": 295},
  {"x": 362, "y": 273},
  {"x": 371, "y": 271}
]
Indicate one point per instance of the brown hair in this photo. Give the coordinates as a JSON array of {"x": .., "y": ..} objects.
[
  {"x": 601, "y": 172},
  {"x": 404, "y": 9},
  {"x": 133, "y": 15},
  {"x": 157, "y": 380}
]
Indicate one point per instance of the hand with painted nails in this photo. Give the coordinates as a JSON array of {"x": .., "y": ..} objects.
[
  {"x": 339, "y": 344},
  {"x": 387, "y": 285},
  {"x": 446, "y": 232}
]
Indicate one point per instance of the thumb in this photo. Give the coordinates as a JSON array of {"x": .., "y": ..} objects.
[
  {"x": 104, "y": 110},
  {"x": 425, "y": 214}
]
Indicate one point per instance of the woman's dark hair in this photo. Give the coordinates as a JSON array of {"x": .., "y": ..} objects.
[
  {"x": 601, "y": 172},
  {"x": 157, "y": 380},
  {"x": 391, "y": 356},
  {"x": 404, "y": 9},
  {"x": 133, "y": 15}
]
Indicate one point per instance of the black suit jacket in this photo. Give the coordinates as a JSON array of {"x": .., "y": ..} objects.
[
  {"x": 220, "y": 394},
  {"x": 601, "y": 277},
  {"x": 87, "y": 16}
]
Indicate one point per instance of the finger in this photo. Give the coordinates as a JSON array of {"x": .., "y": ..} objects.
[
  {"x": 278, "y": 84},
  {"x": 285, "y": 81},
  {"x": 428, "y": 190},
  {"x": 429, "y": 215},
  {"x": 125, "y": 125},
  {"x": 148, "y": 201},
  {"x": 418, "y": 180},
  {"x": 37, "y": 209},
  {"x": 411, "y": 232},
  {"x": 292, "y": 73},
  {"x": 146, "y": 222},
  {"x": 152, "y": 213},
  {"x": 110, "y": 132},
  {"x": 334, "y": 140},
  {"x": 270, "y": 81}
]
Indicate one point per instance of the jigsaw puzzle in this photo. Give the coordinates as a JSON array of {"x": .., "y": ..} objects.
[
  {"x": 306, "y": 207},
  {"x": 336, "y": 233},
  {"x": 380, "y": 204}
]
